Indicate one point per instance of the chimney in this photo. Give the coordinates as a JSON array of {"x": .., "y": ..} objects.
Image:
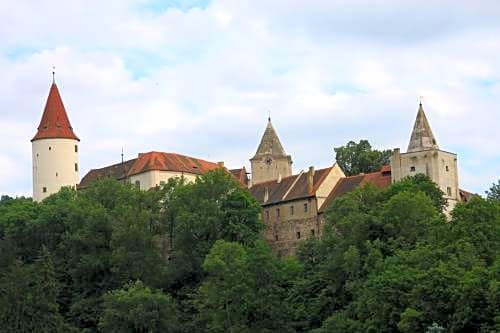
[
  {"x": 221, "y": 164},
  {"x": 310, "y": 179},
  {"x": 266, "y": 194}
]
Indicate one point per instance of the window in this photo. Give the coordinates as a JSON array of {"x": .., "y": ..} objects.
[
  {"x": 50, "y": 148},
  {"x": 298, "y": 234},
  {"x": 277, "y": 212},
  {"x": 76, "y": 167},
  {"x": 76, "y": 148},
  {"x": 57, "y": 174},
  {"x": 448, "y": 191},
  {"x": 137, "y": 184},
  {"x": 447, "y": 169},
  {"x": 276, "y": 237},
  {"x": 291, "y": 210},
  {"x": 412, "y": 169},
  {"x": 305, "y": 208},
  {"x": 267, "y": 214},
  {"x": 313, "y": 232},
  {"x": 44, "y": 190}
]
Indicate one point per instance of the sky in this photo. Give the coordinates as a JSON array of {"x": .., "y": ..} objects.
[{"x": 200, "y": 77}]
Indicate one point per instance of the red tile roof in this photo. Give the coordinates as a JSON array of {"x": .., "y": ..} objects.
[
  {"x": 170, "y": 162},
  {"x": 381, "y": 179},
  {"x": 55, "y": 122},
  {"x": 149, "y": 162},
  {"x": 240, "y": 175}
]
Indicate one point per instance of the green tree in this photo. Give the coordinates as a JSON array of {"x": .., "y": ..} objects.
[
  {"x": 138, "y": 309},
  {"x": 28, "y": 297},
  {"x": 355, "y": 158},
  {"x": 494, "y": 192},
  {"x": 214, "y": 207},
  {"x": 243, "y": 290}
]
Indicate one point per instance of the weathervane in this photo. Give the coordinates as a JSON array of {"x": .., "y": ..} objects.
[
  {"x": 421, "y": 99},
  {"x": 53, "y": 74}
]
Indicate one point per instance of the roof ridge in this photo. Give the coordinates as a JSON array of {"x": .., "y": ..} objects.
[
  {"x": 322, "y": 178},
  {"x": 293, "y": 185}
]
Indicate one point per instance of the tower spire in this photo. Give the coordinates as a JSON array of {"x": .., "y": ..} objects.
[
  {"x": 55, "y": 122},
  {"x": 270, "y": 144},
  {"x": 422, "y": 137}
]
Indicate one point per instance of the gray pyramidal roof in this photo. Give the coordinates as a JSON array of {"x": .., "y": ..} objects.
[
  {"x": 422, "y": 137},
  {"x": 270, "y": 143}
]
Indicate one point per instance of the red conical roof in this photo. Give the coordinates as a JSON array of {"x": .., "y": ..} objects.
[{"x": 55, "y": 123}]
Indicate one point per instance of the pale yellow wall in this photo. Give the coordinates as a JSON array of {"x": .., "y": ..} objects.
[
  {"x": 328, "y": 184},
  {"x": 262, "y": 172},
  {"x": 53, "y": 162},
  {"x": 154, "y": 178},
  {"x": 440, "y": 166}
]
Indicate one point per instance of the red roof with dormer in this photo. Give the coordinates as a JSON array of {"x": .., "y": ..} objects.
[{"x": 55, "y": 122}]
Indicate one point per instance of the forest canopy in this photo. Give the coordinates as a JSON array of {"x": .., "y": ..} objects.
[{"x": 188, "y": 257}]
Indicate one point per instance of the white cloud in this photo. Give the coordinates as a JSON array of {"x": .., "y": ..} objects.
[{"x": 202, "y": 81}]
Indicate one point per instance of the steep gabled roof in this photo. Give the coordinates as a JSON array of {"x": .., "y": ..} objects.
[
  {"x": 381, "y": 179},
  {"x": 55, "y": 122},
  {"x": 289, "y": 188},
  {"x": 422, "y": 137},
  {"x": 270, "y": 144}
]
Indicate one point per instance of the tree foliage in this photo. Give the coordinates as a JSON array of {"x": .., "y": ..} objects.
[
  {"x": 355, "y": 158},
  {"x": 136, "y": 308},
  {"x": 187, "y": 257}
]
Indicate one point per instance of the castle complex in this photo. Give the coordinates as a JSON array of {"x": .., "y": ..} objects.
[{"x": 293, "y": 205}]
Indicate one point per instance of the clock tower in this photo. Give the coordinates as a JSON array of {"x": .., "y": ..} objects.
[{"x": 270, "y": 161}]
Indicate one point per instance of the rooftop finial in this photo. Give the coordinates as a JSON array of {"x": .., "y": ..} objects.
[
  {"x": 53, "y": 74},
  {"x": 269, "y": 115},
  {"x": 421, "y": 99},
  {"x": 122, "y": 155}
]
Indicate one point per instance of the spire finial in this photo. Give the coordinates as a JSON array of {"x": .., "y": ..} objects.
[
  {"x": 53, "y": 74},
  {"x": 268, "y": 115},
  {"x": 421, "y": 99},
  {"x": 122, "y": 155}
]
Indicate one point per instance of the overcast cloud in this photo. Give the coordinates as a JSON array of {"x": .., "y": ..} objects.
[{"x": 199, "y": 78}]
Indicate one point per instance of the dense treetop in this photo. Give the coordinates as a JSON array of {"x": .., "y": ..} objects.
[{"x": 188, "y": 257}]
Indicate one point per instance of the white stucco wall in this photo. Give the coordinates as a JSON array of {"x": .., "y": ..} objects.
[
  {"x": 154, "y": 178},
  {"x": 53, "y": 163}
]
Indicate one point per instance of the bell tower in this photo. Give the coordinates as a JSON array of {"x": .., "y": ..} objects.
[
  {"x": 54, "y": 149},
  {"x": 270, "y": 161}
]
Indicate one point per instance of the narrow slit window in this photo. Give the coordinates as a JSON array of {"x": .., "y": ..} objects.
[
  {"x": 76, "y": 167},
  {"x": 298, "y": 234}
]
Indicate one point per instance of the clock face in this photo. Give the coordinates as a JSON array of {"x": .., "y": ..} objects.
[{"x": 269, "y": 161}]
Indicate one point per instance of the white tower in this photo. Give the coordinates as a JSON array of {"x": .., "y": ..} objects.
[{"x": 54, "y": 150}]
